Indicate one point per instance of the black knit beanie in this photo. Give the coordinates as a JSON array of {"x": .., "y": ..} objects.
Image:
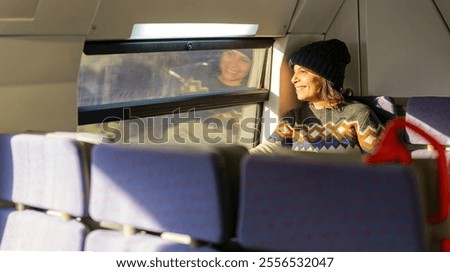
[{"x": 326, "y": 58}]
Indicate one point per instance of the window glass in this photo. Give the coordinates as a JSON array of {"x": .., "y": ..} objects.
[
  {"x": 105, "y": 79},
  {"x": 231, "y": 125}
]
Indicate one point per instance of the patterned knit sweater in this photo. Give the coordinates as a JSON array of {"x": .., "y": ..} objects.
[{"x": 352, "y": 127}]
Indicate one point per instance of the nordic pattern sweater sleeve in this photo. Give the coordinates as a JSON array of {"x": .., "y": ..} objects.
[{"x": 353, "y": 127}]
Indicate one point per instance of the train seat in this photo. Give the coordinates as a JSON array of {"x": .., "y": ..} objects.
[
  {"x": 4, "y": 215},
  {"x": 6, "y": 181},
  {"x": 174, "y": 197},
  {"x": 50, "y": 192},
  {"x": 6, "y": 167},
  {"x": 32, "y": 230},
  {"x": 328, "y": 202},
  {"x": 383, "y": 106},
  {"x": 50, "y": 164},
  {"x": 431, "y": 114}
]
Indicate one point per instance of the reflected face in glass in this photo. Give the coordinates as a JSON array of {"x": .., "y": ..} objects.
[
  {"x": 307, "y": 84},
  {"x": 234, "y": 67}
]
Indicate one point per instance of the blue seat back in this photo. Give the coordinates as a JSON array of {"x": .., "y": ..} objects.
[
  {"x": 161, "y": 189},
  {"x": 50, "y": 173},
  {"x": 308, "y": 203},
  {"x": 49, "y": 186},
  {"x": 383, "y": 106},
  {"x": 430, "y": 114},
  {"x": 31, "y": 230}
]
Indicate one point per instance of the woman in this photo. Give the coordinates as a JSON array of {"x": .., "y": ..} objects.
[
  {"x": 327, "y": 121},
  {"x": 230, "y": 72}
]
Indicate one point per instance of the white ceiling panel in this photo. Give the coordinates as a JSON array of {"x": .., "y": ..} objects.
[{"x": 115, "y": 18}]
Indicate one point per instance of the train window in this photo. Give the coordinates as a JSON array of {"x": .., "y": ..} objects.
[
  {"x": 184, "y": 92},
  {"x": 106, "y": 79}
]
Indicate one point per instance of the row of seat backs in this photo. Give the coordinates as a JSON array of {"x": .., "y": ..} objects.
[
  {"x": 287, "y": 203},
  {"x": 150, "y": 192},
  {"x": 279, "y": 200}
]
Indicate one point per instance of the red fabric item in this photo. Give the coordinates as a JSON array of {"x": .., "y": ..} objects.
[
  {"x": 445, "y": 245},
  {"x": 392, "y": 149}
]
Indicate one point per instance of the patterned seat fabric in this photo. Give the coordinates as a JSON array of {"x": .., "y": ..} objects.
[
  {"x": 430, "y": 114},
  {"x": 49, "y": 173},
  {"x": 383, "y": 106},
  {"x": 37, "y": 231},
  {"x": 49, "y": 178},
  {"x": 161, "y": 189},
  {"x": 306, "y": 203}
]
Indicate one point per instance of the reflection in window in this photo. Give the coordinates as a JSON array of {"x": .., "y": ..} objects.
[{"x": 105, "y": 79}]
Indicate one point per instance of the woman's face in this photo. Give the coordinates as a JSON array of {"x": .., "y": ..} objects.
[
  {"x": 307, "y": 84},
  {"x": 234, "y": 67}
]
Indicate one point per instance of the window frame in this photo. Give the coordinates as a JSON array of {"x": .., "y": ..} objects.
[{"x": 155, "y": 107}]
